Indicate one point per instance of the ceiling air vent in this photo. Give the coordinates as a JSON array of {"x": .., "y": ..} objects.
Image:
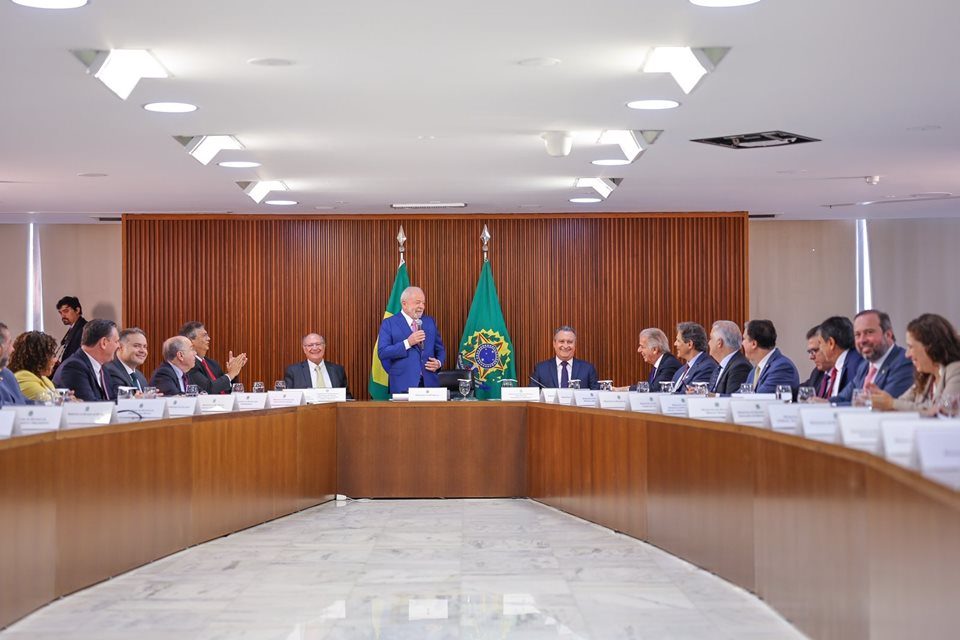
[{"x": 757, "y": 140}]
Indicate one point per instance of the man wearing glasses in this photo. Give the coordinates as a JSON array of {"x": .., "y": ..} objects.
[{"x": 315, "y": 372}]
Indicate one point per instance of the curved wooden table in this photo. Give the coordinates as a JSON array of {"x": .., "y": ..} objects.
[{"x": 842, "y": 543}]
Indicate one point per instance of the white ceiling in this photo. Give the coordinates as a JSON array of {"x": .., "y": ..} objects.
[{"x": 343, "y": 126}]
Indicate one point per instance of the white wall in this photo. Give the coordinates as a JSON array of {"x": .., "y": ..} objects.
[{"x": 13, "y": 282}]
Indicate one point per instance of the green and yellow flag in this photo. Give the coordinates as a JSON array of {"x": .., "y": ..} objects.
[
  {"x": 486, "y": 344},
  {"x": 379, "y": 385}
]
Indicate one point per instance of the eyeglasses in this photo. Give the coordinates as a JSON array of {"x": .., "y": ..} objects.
[
  {"x": 314, "y": 345},
  {"x": 812, "y": 352}
]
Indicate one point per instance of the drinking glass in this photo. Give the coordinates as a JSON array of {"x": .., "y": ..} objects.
[
  {"x": 125, "y": 393},
  {"x": 950, "y": 405},
  {"x": 643, "y": 387},
  {"x": 700, "y": 388},
  {"x": 574, "y": 383},
  {"x": 508, "y": 382},
  {"x": 191, "y": 390},
  {"x": 784, "y": 393},
  {"x": 150, "y": 393},
  {"x": 237, "y": 387},
  {"x": 805, "y": 394},
  {"x": 746, "y": 387},
  {"x": 258, "y": 387},
  {"x": 862, "y": 398},
  {"x": 666, "y": 387},
  {"x": 464, "y": 384},
  {"x": 606, "y": 385},
  {"x": 279, "y": 385}
]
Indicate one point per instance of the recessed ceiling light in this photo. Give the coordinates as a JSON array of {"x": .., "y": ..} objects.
[
  {"x": 586, "y": 200},
  {"x": 625, "y": 139},
  {"x": 652, "y": 105},
  {"x": 170, "y": 107},
  {"x": 683, "y": 63},
  {"x": 239, "y": 164},
  {"x": 51, "y": 4},
  {"x": 271, "y": 62},
  {"x": 539, "y": 62},
  {"x": 205, "y": 148},
  {"x": 603, "y": 186},
  {"x": 91, "y": 175},
  {"x": 428, "y": 205},
  {"x": 259, "y": 190},
  {"x": 324, "y": 207},
  {"x": 282, "y": 203},
  {"x": 426, "y": 138},
  {"x": 723, "y": 3},
  {"x": 610, "y": 163},
  {"x": 122, "y": 69}
]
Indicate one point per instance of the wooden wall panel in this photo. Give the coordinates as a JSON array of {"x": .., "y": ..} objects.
[
  {"x": 316, "y": 454},
  {"x": 259, "y": 283}
]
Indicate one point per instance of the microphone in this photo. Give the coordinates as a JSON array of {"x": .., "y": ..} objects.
[
  {"x": 540, "y": 384},
  {"x": 417, "y": 325}
]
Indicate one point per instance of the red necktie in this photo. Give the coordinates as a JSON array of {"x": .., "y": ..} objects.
[
  {"x": 103, "y": 385},
  {"x": 183, "y": 377},
  {"x": 209, "y": 370},
  {"x": 827, "y": 383}
]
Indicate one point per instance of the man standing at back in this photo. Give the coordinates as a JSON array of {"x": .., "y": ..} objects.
[
  {"x": 557, "y": 372},
  {"x": 207, "y": 373},
  {"x": 71, "y": 314},
  {"x": 410, "y": 347},
  {"x": 84, "y": 372}
]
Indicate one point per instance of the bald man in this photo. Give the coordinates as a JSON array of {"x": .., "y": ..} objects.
[{"x": 315, "y": 372}]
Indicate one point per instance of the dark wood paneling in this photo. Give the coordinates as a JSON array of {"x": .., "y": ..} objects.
[
  {"x": 260, "y": 283},
  {"x": 431, "y": 450}
]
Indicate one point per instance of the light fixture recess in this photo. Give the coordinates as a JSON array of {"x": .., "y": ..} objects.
[
  {"x": 723, "y": 3},
  {"x": 122, "y": 69},
  {"x": 170, "y": 107},
  {"x": 653, "y": 105},
  {"x": 205, "y": 148},
  {"x": 603, "y": 186},
  {"x": 282, "y": 203},
  {"x": 239, "y": 164},
  {"x": 260, "y": 189},
  {"x": 51, "y": 4},
  {"x": 610, "y": 162},
  {"x": 428, "y": 205},
  {"x": 586, "y": 200},
  {"x": 625, "y": 139},
  {"x": 686, "y": 65}
]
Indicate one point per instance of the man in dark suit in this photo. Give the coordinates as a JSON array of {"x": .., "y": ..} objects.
[
  {"x": 691, "y": 346},
  {"x": 315, "y": 372},
  {"x": 771, "y": 367},
  {"x": 654, "y": 348},
  {"x": 173, "y": 375},
  {"x": 409, "y": 345},
  {"x": 725, "y": 343},
  {"x": 71, "y": 314},
  {"x": 885, "y": 364},
  {"x": 557, "y": 372},
  {"x": 841, "y": 360},
  {"x": 813, "y": 353},
  {"x": 10, "y": 392},
  {"x": 123, "y": 370},
  {"x": 207, "y": 373},
  {"x": 84, "y": 372}
]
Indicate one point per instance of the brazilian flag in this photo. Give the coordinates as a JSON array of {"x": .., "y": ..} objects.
[
  {"x": 379, "y": 385},
  {"x": 486, "y": 344}
]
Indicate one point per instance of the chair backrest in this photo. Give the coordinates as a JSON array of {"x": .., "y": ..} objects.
[{"x": 450, "y": 378}]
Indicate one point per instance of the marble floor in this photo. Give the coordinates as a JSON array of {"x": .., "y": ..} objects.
[{"x": 417, "y": 569}]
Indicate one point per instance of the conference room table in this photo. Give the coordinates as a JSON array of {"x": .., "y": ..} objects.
[{"x": 842, "y": 543}]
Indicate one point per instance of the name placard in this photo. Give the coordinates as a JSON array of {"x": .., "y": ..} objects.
[
  {"x": 784, "y": 418},
  {"x": 520, "y": 394},
  {"x": 750, "y": 413},
  {"x": 616, "y": 400},
  {"x": 565, "y": 396},
  {"x": 716, "y": 409},
  {"x": 182, "y": 406},
  {"x": 288, "y": 398},
  {"x": 429, "y": 394},
  {"x": 862, "y": 430},
  {"x": 938, "y": 454},
  {"x": 584, "y": 398},
  {"x": 898, "y": 438},
  {"x": 216, "y": 404},
  {"x": 7, "y": 418},
  {"x": 549, "y": 395},
  {"x": 35, "y": 419},
  {"x": 77, "y": 415},
  {"x": 821, "y": 423},
  {"x": 644, "y": 402},
  {"x": 325, "y": 395},
  {"x": 251, "y": 401},
  {"x": 754, "y": 396},
  {"x": 673, "y": 405},
  {"x": 136, "y": 409}
]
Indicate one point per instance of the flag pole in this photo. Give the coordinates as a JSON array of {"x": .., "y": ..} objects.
[
  {"x": 401, "y": 238},
  {"x": 485, "y": 237}
]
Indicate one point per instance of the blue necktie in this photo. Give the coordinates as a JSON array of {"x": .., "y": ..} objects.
[
  {"x": 653, "y": 374},
  {"x": 564, "y": 378},
  {"x": 714, "y": 379}
]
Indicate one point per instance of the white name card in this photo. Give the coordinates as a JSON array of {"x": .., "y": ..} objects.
[
  {"x": 520, "y": 394},
  {"x": 673, "y": 405},
  {"x": 288, "y": 398},
  {"x": 87, "y": 414},
  {"x": 36, "y": 419},
  {"x": 862, "y": 430},
  {"x": 7, "y": 418},
  {"x": 182, "y": 406},
  {"x": 136, "y": 409},
  {"x": 216, "y": 404},
  {"x": 585, "y": 398},
  {"x": 325, "y": 395},
  {"x": 898, "y": 438},
  {"x": 251, "y": 401},
  {"x": 616, "y": 400},
  {"x": 938, "y": 454},
  {"x": 429, "y": 394},
  {"x": 750, "y": 413},
  {"x": 549, "y": 396},
  {"x": 644, "y": 402},
  {"x": 754, "y": 396},
  {"x": 784, "y": 418},
  {"x": 565, "y": 396},
  {"x": 822, "y": 424},
  {"x": 716, "y": 409}
]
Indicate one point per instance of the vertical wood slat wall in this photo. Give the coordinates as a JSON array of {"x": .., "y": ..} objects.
[{"x": 259, "y": 283}]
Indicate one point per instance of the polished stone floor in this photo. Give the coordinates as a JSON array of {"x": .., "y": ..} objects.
[{"x": 413, "y": 569}]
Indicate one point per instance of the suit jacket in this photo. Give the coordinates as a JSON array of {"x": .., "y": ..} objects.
[
  {"x": 117, "y": 377},
  {"x": 895, "y": 375},
  {"x": 72, "y": 339},
  {"x": 546, "y": 373},
  {"x": 664, "y": 373},
  {"x": 219, "y": 384},
  {"x": 778, "y": 370},
  {"x": 701, "y": 371},
  {"x": 733, "y": 375},
  {"x": 405, "y": 367},
  {"x": 851, "y": 366},
  {"x": 912, "y": 399},
  {"x": 76, "y": 373},
  {"x": 816, "y": 377},
  {"x": 166, "y": 378},
  {"x": 32, "y": 385},
  {"x": 297, "y": 376},
  {"x": 10, "y": 389}
]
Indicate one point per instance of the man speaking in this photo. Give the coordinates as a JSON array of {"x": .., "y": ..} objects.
[{"x": 409, "y": 346}]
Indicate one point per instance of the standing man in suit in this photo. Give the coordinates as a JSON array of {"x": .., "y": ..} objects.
[
  {"x": 654, "y": 348},
  {"x": 725, "y": 342},
  {"x": 771, "y": 367},
  {"x": 84, "y": 372},
  {"x": 841, "y": 361},
  {"x": 885, "y": 363},
  {"x": 123, "y": 370},
  {"x": 557, "y": 372},
  {"x": 179, "y": 358},
  {"x": 207, "y": 373},
  {"x": 315, "y": 372},
  {"x": 813, "y": 353},
  {"x": 410, "y": 346},
  {"x": 71, "y": 314},
  {"x": 9, "y": 387},
  {"x": 691, "y": 346}
]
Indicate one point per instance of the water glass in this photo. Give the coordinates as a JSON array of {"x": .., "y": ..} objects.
[
  {"x": 643, "y": 387},
  {"x": 746, "y": 388},
  {"x": 125, "y": 393},
  {"x": 150, "y": 393},
  {"x": 699, "y": 388},
  {"x": 784, "y": 393},
  {"x": 806, "y": 394},
  {"x": 279, "y": 385},
  {"x": 464, "y": 385},
  {"x": 191, "y": 390},
  {"x": 237, "y": 387},
  {"x": 950, "y": 406},
  {"x": 506, "y": 383},
  {"x": 606, "y": 385},
  {"x": 574, "y": 383},
  {"x": 258, "y": 387},
  {"x": 666, "y": 387},
  {"x": 862, "y": 398}
]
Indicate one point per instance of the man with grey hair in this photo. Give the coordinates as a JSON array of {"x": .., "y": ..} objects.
[
  {"x": 557, "y": 372},
  {"x": 691, "y": 345},
  {"x": 654, "y": 348},
  {"x": 725, "y": 342},
  {"x": 10, "y": 392},
  {"x": 409, "y": 345},
  {"x": 315, "y": 372},
  {"x": 179, "y": 357}
]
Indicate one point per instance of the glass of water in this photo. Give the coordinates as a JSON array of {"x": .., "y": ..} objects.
[
  {"x": 279, "y": 385},
  {"x": 861, "y": 398},
  {"x": 237, "y": 387},
  {"x": 643, "y": 387},
  {"x": 574, "y": 383},
  {"x": 666, "y": 387},
  {"x": 700, "y": 388},
  {"x": 606, "y": 385},
  {"x": 806, "y": 394},
  {"x": 784, "y": 393},
  {"x": 746, "y": 387},
  {"x": 507, "y": 383},
  {"x": 191, "y": 390},
  {"x": 150, "y": 393},
  {"x": 464, "y": 385},
  {"x": 258, "y": 387}
]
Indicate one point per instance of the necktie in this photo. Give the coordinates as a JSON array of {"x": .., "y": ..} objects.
[
  {"x": 209, "y": 370},
  {"x": 871, "y": 374},
  {"x": 564, "y": 376},
  {"x": 714, "y": 379},
  {"x": 103, "y": 385},
  {"x": 183, "y": 381},
  {"x": 756, "y": 377},
  {"x": 827, "y": 384},
  {"x": 653, "y": 374},
  {"x": 321, "y": 383}
]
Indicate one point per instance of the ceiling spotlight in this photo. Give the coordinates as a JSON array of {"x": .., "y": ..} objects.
[
  {"x": 239, "y": 164},
  {"x": 428, "y": 205},
  {"x": 558, "y": 143},
  {"x": 873, "y": 180},
  {"x": 51, "y": 4},
  {"x": 282, "y": 203},
  {"x": 586, "y": 200},
  {"x": 259, "y": 190},
  {"x": 603, "y": 186},
  {"x": 122, "y": 69},
  {"x": 626, "y": 140},
  {"x": 612, "y": 162},
  {"x": 653, "y": 105},
  {"x": 205, "y": 148},
  {"x": 170, "y": 107},
  {"x": 686, "y": 65}
]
